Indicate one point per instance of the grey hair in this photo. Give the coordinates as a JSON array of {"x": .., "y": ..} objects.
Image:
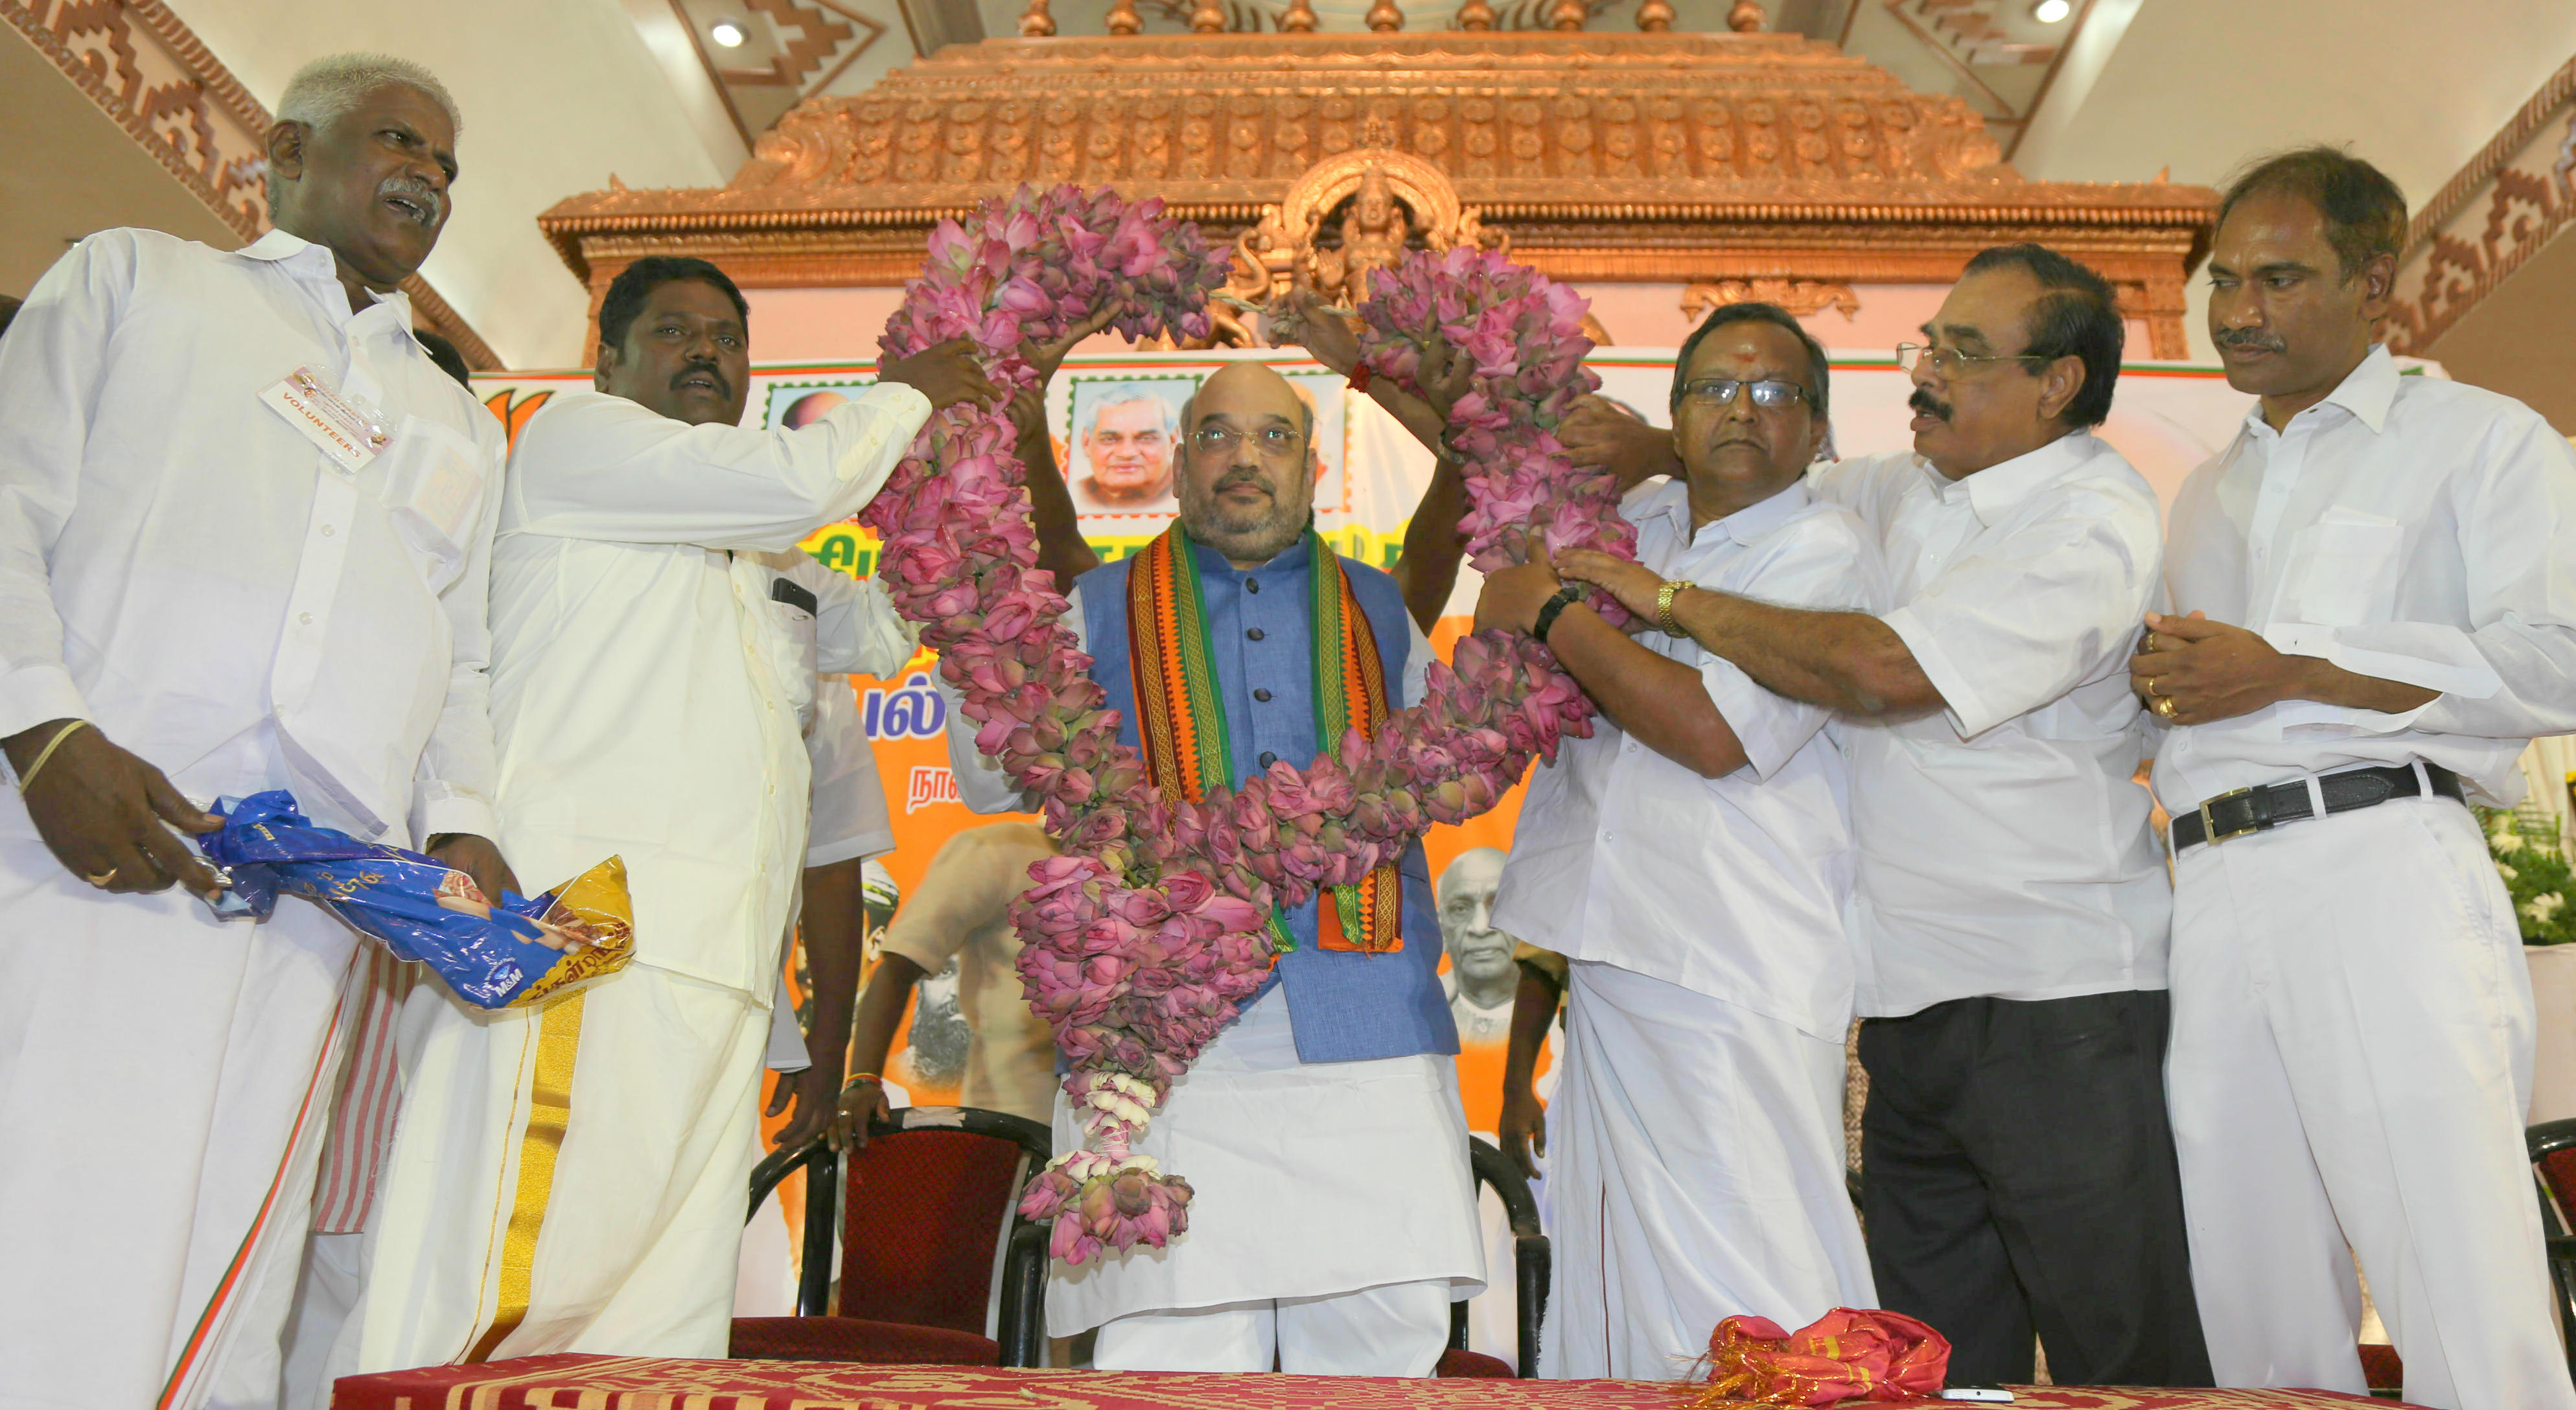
[
  {"x": 328, "y": 89},
  {"x": 1125, "y": 392}
]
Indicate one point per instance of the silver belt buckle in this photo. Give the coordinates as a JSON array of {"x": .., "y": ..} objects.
[{"x": 2209, "y": 832}]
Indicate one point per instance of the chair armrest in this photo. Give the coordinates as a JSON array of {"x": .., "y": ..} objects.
[
  {"x": 1023, "y": 1309},
  {"x": 1532, "y": 1263}
]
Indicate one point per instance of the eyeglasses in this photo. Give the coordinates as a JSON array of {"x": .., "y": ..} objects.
[
  {"x": 1720, "y": 391},
  {"x": 1274, "y": 442},
  {"x": 1950, "y": 362}
]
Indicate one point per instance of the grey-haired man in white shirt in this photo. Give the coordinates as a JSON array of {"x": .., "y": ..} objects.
[
  {"x": 200, "y": 596},
  {"x": 2010, "y": 909},
  {"x": 2378, "y": 587}
]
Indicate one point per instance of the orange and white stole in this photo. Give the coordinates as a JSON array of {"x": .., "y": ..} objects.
[{"x": 1180, "y": 716}]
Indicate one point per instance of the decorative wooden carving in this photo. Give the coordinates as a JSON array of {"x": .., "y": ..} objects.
[
  {"x": 1608, "y": 157},
  {"x": 1655, "y": 16},
  {"x": 2515, "y": 196},
  {"x": 1123, "y": 18},
  {"x": 1384, "y": 18},
  {"x": 152, "y": 75},
  {"x": 1035, "y": 21},
  {"x": 1300, "y": 18},
  {"x": 1798, "y": 296},
  {"x": 1475, "y": 16}
]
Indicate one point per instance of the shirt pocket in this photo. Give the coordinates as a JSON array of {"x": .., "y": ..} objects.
[
  {"x": 432, "y": 489},
  {"x": 794, "y": 666},
  {"x": 2342, "y": 569}
]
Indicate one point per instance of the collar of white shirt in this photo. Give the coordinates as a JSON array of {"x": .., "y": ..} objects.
[
  {"x": 1671, "y": 500},
  {"x": 1992, "y": 492},
  {"x": 316, "y": 264},
  {"x": 2366, "y": 392}
]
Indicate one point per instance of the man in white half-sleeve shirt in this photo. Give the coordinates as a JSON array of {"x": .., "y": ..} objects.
[
  {"x": 217, "y": 579},
  {"x": 2011, "y": 904},
  {"x": 2378, "y": 587},
  {"x": 570, "y": 1177},
  {"x": 1691, "y": 860}
]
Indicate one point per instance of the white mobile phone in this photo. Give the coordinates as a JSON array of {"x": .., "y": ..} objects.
[{"x": 1984, "y": 1395}]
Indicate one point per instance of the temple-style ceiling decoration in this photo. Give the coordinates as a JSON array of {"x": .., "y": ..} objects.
[{"x": 1737, "y": 164}]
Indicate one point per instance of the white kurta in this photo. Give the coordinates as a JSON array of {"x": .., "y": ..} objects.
[
  {"x": 1696, "y": 1134},
  {"x": 1309, "y": 1180},
  {"x": 2353, "y": 1024},
  {"x": 182, "y": 567},
  {"x": 571, "y": 1178}
]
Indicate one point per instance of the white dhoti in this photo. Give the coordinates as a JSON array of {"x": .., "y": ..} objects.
[
  {"x": 1695, "y": 1173},
  {"x": 1319, "y": 1190},
  {"x": 2352, "y": 1041},
  {"x": 164, "y": 1081},
  {"x": 566, "y": 1178}
]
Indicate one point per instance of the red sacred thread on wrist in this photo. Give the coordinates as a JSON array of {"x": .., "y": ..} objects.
[{"x": 1360, "y": 378}]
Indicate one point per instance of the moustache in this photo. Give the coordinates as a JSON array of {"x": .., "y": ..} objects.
[
  {"x": 1930, "y": 405},
  {"x": 1243, "y": 476},
  {"x": 2250, "y": 340},
  {"x": 706, "y": 369},
  {"x": 432, "y": 202}
]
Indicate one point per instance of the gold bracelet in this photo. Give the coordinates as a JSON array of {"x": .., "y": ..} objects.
[
  {"x": 46, "y": 753},
  {"x": 1664, "y": 606}
]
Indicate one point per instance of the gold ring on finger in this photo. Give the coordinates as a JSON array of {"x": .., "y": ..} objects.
[
  {"x": 102, "y": 879},
  {"x": 2165, "y": 706}
]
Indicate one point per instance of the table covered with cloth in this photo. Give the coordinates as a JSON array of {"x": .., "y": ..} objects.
[{"x": 576, "y": 1382}]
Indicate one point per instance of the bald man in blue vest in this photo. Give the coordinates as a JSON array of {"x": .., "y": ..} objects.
[{"x": 1334, "y": 1219}]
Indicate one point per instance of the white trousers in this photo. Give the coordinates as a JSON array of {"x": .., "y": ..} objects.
[
  {"x": 164, "y": 1078},
  {"x": 1396, "y": 1330},
  {"x": 2351, "y": 1058},
  {"x": 334, "y": 1273},
  {"x": 565, "y": 1178},
  {"x": 1696, "y": 1172}
]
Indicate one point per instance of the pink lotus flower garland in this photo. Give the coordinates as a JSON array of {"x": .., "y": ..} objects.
[{"x": 1144, "y": 937}]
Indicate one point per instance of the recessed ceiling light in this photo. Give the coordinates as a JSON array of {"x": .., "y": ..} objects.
[
  {"x": 730, "y": 35},
  {"x": 2051, "y": 11}
]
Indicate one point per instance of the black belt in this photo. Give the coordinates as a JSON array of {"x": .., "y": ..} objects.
[{"x": 2262, "y": 809}]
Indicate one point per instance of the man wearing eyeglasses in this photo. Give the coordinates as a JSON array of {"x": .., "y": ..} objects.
[
  {"x": 2011, "y": 906},
  {"x": 1691, "y": 861},
  {"x": 1334, "y": 1214}
]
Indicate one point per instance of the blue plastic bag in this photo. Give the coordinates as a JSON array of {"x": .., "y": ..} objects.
[{"x": 422, "y": 909}]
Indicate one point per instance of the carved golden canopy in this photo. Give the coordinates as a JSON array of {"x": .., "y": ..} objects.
[{"x": 1697, "y": 159}]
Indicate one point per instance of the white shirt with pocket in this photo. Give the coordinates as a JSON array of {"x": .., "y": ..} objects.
[
  {"x": 1732, "y": 887},
  {"x": 649, "y": 693},
  {"x": 2408, "y": 528},
  {"x": 187, "y": 569},
  {"x": 2005, "y": 849}
]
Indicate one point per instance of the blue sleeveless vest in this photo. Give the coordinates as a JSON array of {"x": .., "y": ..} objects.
[{"x": 1344, "y": 1006}]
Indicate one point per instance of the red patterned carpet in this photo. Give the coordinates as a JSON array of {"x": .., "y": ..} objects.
[{"x": 635, "y": 1383}]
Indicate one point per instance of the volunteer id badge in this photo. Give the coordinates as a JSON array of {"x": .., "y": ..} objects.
[{"x": 344, "y": 430}]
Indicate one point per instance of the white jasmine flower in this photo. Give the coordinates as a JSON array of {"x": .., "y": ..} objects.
[
  {"x": 2505, "y": 839},
  {"x": 2508, "y": 873},
  {"x": 2543, "y": 906}
]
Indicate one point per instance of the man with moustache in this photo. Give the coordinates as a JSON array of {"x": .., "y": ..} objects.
[
  {"x": 1128, "y": 446},
  {"x": 201, "y": 597},
  {"x": 1691, "y": 861},
  {"x": 1334, "y": 1218},
  {"x": 1482, "y": 978},
  {"x": 2378, "y": 614},
  {"x": 2010, "y": 906},
  {"x": 570, "y": 1177}
]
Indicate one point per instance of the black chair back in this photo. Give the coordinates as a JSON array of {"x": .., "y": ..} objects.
[{"x": 1531, "y": 1259}]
